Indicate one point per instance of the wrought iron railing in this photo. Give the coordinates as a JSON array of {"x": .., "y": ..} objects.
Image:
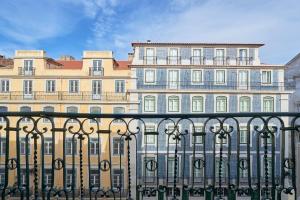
[
  {"x": 63, "y": 96},
  {"x": 96, "y": 71},
  {"x": 244, "y": 60},
  {"x": 23, "y": 72},
  {"x": 76, "y": 156}
]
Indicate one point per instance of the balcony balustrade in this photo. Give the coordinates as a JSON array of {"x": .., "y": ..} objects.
[
  {"x": 26, "y": 72},
  {"x": 63, "y": 96},
  {"x": 86, "y": 162},
  {"x": 214, "y": 85},
  {"x": 96, "y": 71},
  {"x": 244, "y": 61}
]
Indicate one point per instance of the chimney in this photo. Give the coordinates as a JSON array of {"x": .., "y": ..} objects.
[
  {"x": 66, "y": 57},
  {"x": 130, "y": 57}
]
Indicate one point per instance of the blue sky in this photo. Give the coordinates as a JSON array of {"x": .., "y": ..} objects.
[{"x": 71, "y": 26}]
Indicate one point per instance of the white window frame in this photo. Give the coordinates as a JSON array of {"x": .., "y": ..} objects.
[
  {"x": 262, "y": 102},
  {"x": 118, "y": 88},
  {"x": 215, "y": 103},
  {"x": 155, "y": 103},
  {"x": 251, "y": 130},
  {"x": 52, "y": 87},
  {"x": 145, "y": 77},
  {"x": 144, "y": 166},
  {"x": 112, "y": 146},
  {"x": 6, "y": 87},
  {"x": 191, "y": 104},
  {"x": 201, "y": 56},
  {"x": 251, "y": 101},
  {"x": 76, "y": 146},
  {"x": 78, "y": 86},
  {"x": 243, "y": 87},
  {"x": 179, "y": 103},
  {"x": 99, "y": 142},
  {"x": 95, "y": 168},
  {"x": 66, "y": 110},
  {"x": 171, "y": 179},
  {"x": 191, "y": 134},
  {"x": 154, "y": 136},
  {"x": 150, "y": 60},
  {"x": 225, "y": 77},
  {"x": 197, "y": 83},
  {"x": 170, "y": 86},
  {"x": 98, "y": 119},
  {"x": 262, "y": 79},
  {"x": 123, "y": 174},
  {"x": 48, "y": 146},
  {"x": 197, "y": 156},
  {"x": 96, "y": 92}
]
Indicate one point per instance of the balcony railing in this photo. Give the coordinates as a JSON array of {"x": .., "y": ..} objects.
[
  {"x": 24, "y": 72},
  {"x": 220, "y": 60},
  {"x": 215, "y": 85},
  {"x": 173, "y": 60},
  {"x": 74, "y": 156},
  {"x": 150, "y": 60},
  {"x": 244, "y": 61},
  {"x": 63, "y": 96},
  {"x": 198, "y": 60},
  {"x": 96, "y": 71}
]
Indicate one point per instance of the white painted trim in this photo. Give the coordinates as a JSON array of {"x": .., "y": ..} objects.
[
  {"x": 251, "y": 133},
  {"x": 191, "y": 134},
  {"x": 215, "y": 102},
  {"x": 143, "y": 103},
  {"x": 167, "y": 102},
  {"x": 202, "y": 76},
  {"x": 249, "y": 79},
  {"x": 79, "y": 89},
  {"x": 246, "y": 95},
  {"x": 261, "y": 76},
  {"x": 155, "y": 76},
  {"x": 262, "y": 102},
  {"x": 101, "y": 119},
  {"x": 143, "y": 135},
  {"x": 167, "y": 84},
  {"x": 191, "y": 102},
  {"x": 215, "y": 76}
]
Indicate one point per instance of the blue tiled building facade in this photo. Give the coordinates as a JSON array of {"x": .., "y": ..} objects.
[{"x": 201, "y": 78}]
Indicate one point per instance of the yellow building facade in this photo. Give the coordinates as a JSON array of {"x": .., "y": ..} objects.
[{"x": 95, "y": 84}]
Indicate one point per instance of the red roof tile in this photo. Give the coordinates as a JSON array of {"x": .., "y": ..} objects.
[
  {"x": 122, "y": 64},
  {"x": 70, "y": 64}
]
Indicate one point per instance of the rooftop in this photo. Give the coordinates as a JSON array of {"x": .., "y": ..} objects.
[{"x": 195, "y": 44}]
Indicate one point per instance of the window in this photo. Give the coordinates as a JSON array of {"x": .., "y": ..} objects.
[
  {"x": 27, "y": 88},
  {"x": 220, "y": 57},
  {"x": 25, "y": 109},
  {"x": 94, "y": 146},
  {"x": 198, "y": 172},
  {"x": 72, "y": 109},
  {"x": 50, "y": 86},
  {"x": 119, "y": 86},
  {"x": 268, "y": 104},
  {"x": 70, "y": 146},
  {"x": 220, "y": 77},
  {"x": 96, "y": 88},
  {"x": 197, "y": 77},
  {"x": 197, "y": 104},
  {"x": 4, "y": 86},
  {"x": 97, "y": 65},
  {"x": 149, "y": 56},
  {"x": 221, "y": 104},
  {"x": 149, "y": 76},
  {"x": 95, "y": 110},
  {"x": 171, "y": 167},
  {"x": 2, "y": 145},
  {"x": 48, "y": 177},
  {"x": 28, "y": 67},
  {"x": 73, "y": 86},
  {"x": 173, "y": 104},
  {"x": 118, "y": 178},
  {"x": 149, "y": 139},
  {"x": 23, "y": 146},
  {"x": 173, "y": 79},
  {"x": 170, "y": 136},
  {"x": 196, "y": 59},
  {"x": 266, "y": 77},
  {"x": 48, "y": 109},
  {"x": 69, "y": 178},
  {"x": 118, "y": 146},
  {"x": 2, "y": 110},
  {"x": 243, "y": 79},
  {"x": 95, "y": 177},
  {"x": 243, "y": 135},
  {"x": 173, "y": 56},
  {"x": 149, "y": 104},
  {"x": 48, "y": 146},
  {"x": 118, "y": 110},
  {"x": 197, "y": 139},
  {"x": 245, "y": 104}
]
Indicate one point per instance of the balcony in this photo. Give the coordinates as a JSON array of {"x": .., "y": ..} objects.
[
  {"x": 98, "y": 71},
  {"x": 149, "y": 60},
  {"x": 197, "y": 60},
  {"x": 173, "y": 60},
  {"x": 63, "y": 96},
  {"x": 26, "y": 72},
  {"x": 220, "y": 60},
  {"x": 87, "y": 161},
  {"x": 244, "y": 61},
  {"x": 214, "y": 85}
]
